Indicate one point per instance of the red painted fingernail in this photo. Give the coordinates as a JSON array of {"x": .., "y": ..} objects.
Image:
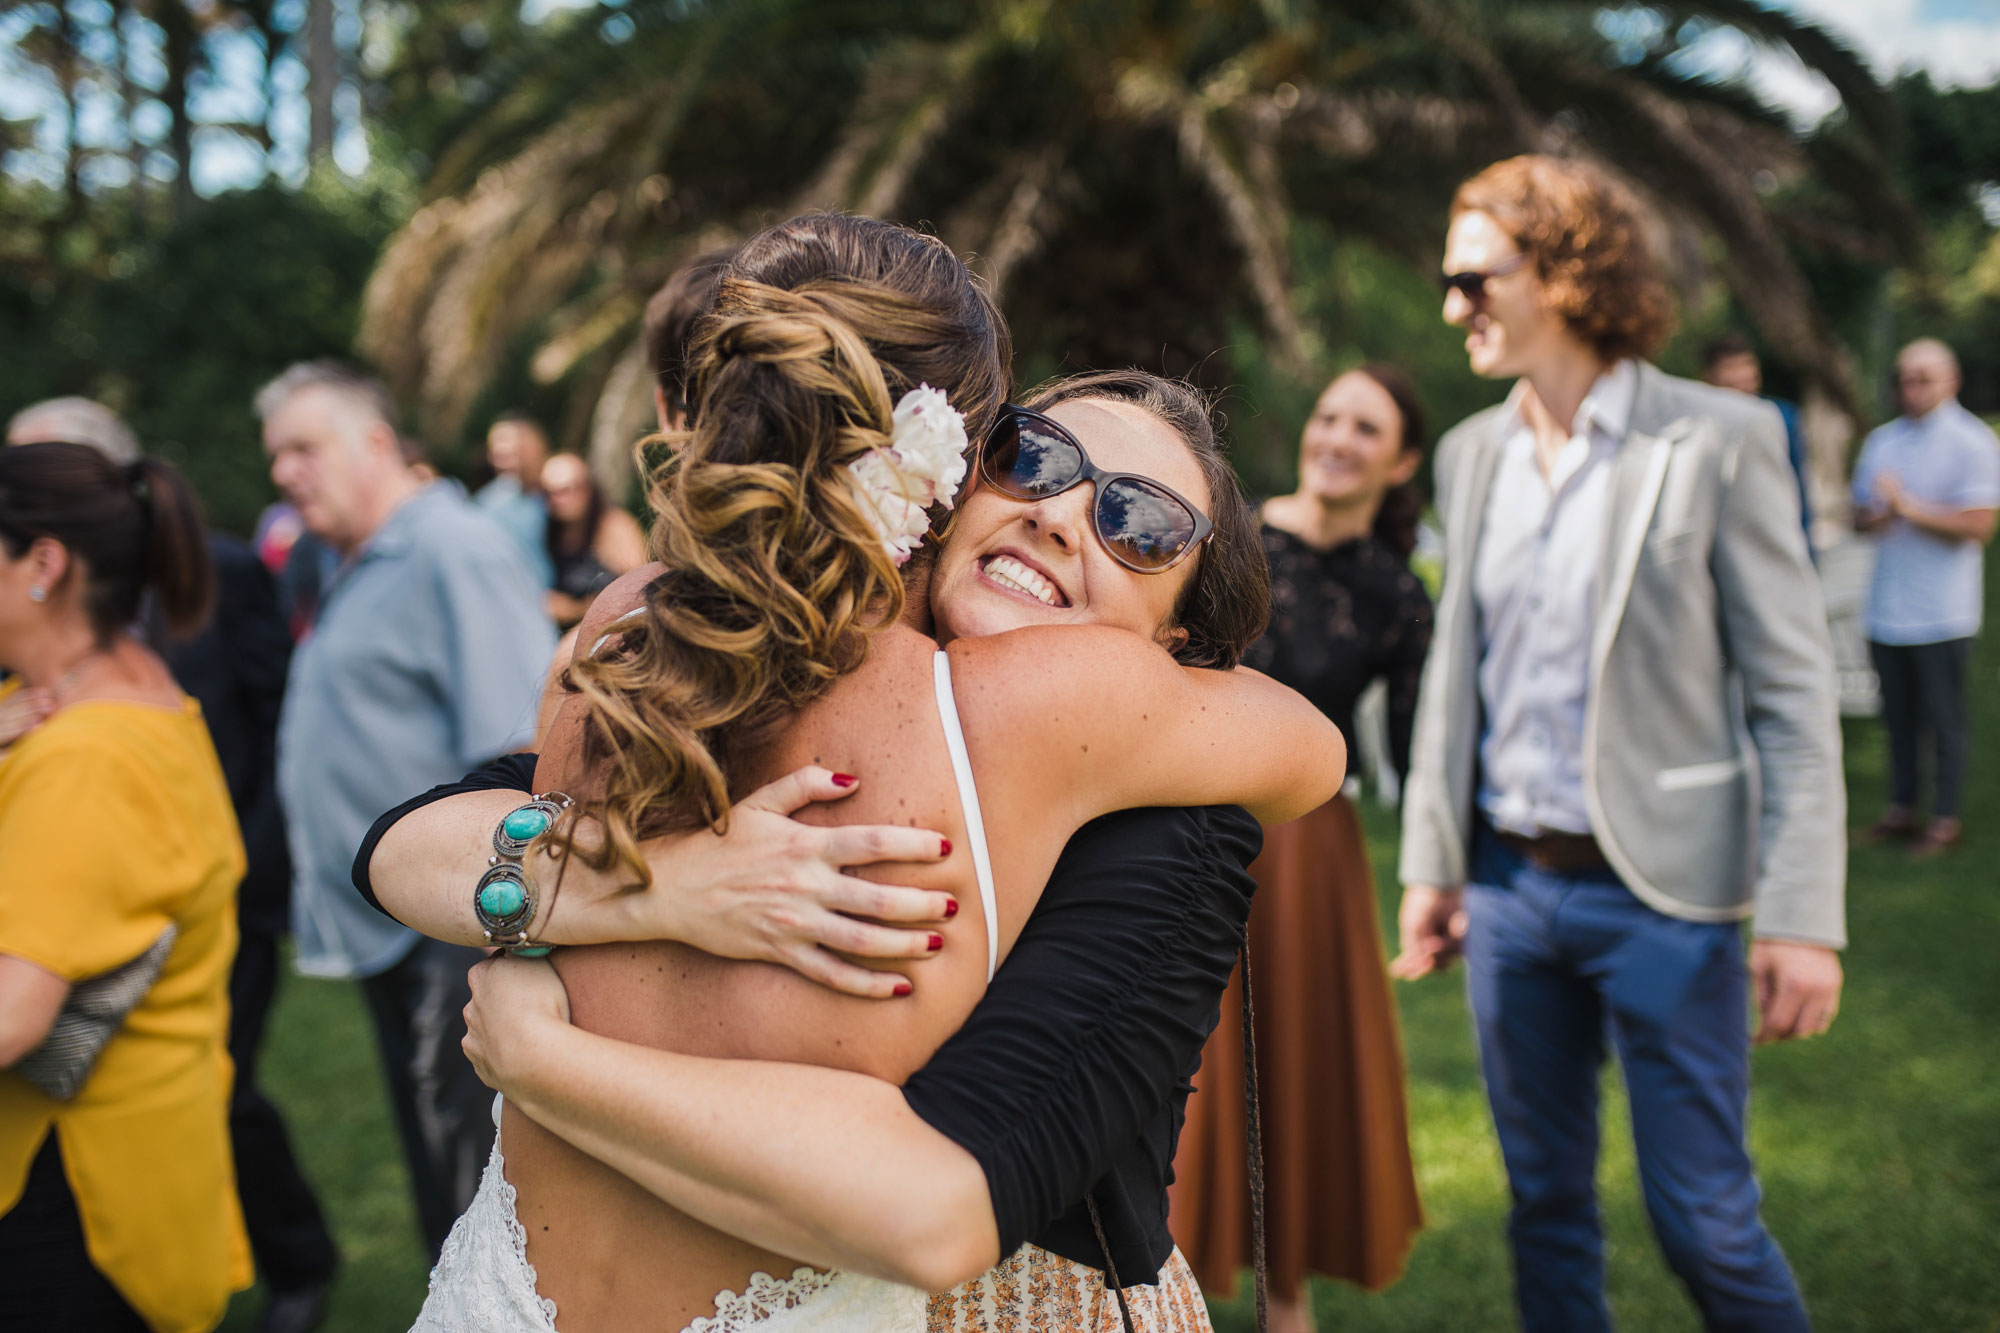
[
  {"x": 944, "y": 846},
  {"x": 844, "y": 779},
  {"x": 950, "y": 908},
  {"x": 937, "y": 942},
  {"x": 903, "y": 988}
]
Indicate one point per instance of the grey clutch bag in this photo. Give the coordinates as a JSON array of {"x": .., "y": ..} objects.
[{"x": 95, "y": 1010}]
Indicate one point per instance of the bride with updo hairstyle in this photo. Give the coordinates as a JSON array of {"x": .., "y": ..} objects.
[{"x": 697, "y": 1142}]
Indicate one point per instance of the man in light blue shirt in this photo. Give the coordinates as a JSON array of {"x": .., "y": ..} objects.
[
  {"x": 516, "y": 448},
  {"x": 1928, "y": 484},
  {"x": 425, "y": 661}
]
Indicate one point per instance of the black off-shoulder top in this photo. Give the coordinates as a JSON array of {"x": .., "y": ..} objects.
[{"x": 1071, "y": 1076}]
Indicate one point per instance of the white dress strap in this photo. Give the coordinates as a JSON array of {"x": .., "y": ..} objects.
[
  {"x": 968, "y": 802},
  {"x": 611, "y": 631}
]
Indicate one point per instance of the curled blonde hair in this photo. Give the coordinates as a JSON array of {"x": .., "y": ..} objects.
[{"x": 775, "y": 576}]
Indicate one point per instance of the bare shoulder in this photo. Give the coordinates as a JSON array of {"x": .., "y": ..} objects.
[
  {"x": 1084, "y": 685},
  {"x": 1057, "y": 667}
]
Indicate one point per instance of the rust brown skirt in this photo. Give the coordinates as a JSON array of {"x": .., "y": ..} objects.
[{"x": 1340, "y": 1194}]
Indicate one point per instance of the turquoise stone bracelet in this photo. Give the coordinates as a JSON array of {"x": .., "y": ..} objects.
[{"x": 504, "y": 899}]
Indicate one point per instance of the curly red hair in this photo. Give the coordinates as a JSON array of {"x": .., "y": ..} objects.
[{"x": 1587, "y": 236}]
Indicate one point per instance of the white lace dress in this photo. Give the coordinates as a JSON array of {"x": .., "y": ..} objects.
[{"x": 483, "y": 1283}]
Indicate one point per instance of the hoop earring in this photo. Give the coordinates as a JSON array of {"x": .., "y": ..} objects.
[{"x": 38, "y": 594}]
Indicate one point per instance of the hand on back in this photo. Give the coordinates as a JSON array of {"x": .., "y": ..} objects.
[{"x": 771, "y": 889}]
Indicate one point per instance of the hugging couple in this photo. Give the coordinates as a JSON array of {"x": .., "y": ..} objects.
[{"x": 756, "y": 1086}]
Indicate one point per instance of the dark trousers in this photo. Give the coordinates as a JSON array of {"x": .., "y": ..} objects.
[
  {"x": 288, "y": 1234},
  {"x": 1923, "y": 699},
  {"x": 1554, "y": 962},
  {"x": 47, "y": 1280},
  {"x": 443, "y": 1112}
]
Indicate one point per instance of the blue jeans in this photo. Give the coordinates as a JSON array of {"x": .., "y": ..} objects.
[{"x": 1553, "y": 963}]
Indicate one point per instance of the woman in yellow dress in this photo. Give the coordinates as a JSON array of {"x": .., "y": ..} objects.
[{"x": 118, "y": 1201}]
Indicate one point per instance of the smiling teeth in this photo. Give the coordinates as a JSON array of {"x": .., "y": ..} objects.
[{"x": 1012, "y": 573}]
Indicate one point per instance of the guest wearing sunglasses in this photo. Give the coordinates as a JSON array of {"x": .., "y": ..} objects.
[
  {"x": 1340, "y": 1194},
  {"x": 1094, "y": 507},
  {"x": 1629, "y": 630}
]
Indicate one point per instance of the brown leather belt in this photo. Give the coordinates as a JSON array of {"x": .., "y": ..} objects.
[{"x": 1557, "y": 853}]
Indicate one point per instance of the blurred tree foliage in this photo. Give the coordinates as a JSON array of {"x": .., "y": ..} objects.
[
  {"x": 1250, "y": 192},
  {"x": 1130, "y": 175},
  {"x": 1951, "y": 168},
  {"x": 177, "y": 328}
]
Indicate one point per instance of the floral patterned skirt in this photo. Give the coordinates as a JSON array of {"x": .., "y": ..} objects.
[{"x": 1033, "y": 1291}]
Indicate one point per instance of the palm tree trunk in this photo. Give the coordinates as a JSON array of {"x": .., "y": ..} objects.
[
  {"x": 322, "y": 77},
  {"x": 68, "y": 72},
  {"x": 181, "y": 45}
]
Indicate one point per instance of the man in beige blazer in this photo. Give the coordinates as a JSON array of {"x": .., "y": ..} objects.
[{"x": 1626, "y": 744}]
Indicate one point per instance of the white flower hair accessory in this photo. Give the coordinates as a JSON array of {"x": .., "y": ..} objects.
[{"x": 923, "y": 466}]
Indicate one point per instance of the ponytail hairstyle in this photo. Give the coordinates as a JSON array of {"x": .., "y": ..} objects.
[
  {"x": 775, "y": 575},
  {"x": 129, "y": 528}
]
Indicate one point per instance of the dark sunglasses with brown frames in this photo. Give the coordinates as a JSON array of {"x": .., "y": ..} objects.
[
  {"x": 1141, "y": 524},
  {"x": 1472, "y": 283}
]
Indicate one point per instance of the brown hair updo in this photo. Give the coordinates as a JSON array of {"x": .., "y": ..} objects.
[
  {"x": 1224, "y": 604},
  {"x": 774, "y": 575},
  {"x": 130, "y": 528},
  {"x": 1587, "y": 236}
]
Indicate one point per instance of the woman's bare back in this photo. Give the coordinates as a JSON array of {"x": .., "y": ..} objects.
[{"x": 611, "y": 1255}]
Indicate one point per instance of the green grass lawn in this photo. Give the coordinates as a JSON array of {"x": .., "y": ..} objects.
[{"x": 1876, "y": 1143}]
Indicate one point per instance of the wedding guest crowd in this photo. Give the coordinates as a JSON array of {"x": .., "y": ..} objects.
[{"x": 1615, "y": 734}]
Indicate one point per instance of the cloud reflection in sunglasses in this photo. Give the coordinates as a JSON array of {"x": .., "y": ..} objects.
[{"x": 1151, "y": 527}]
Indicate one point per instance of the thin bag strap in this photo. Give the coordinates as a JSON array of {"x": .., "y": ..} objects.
[
  {"x": 1253, "y": 1135},
  {"x": 1110, "y": 1267}
]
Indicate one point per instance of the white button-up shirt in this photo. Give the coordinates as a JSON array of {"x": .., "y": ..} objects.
[{"x": 1535, "y": 577}]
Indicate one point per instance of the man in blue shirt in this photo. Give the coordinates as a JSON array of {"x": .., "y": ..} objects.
[
  {"x": 1929, "y": 484},
  {"x": 1730, "y": 362},
  {"x": 516, "y": 448},
  {"x": 425, "y": 661}
]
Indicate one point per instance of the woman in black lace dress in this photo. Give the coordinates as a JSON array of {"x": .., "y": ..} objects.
[{"x": 1346, "y": 611}]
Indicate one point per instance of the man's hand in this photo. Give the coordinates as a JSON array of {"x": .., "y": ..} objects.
[
  {"x": 1431, "y": 931},
  {"x": 513, "y": 999},
  {"x": 771, "y": 890},
  {"x": 1797, "y": 988}
]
